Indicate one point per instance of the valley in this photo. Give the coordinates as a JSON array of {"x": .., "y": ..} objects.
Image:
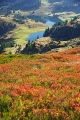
[
  {"x": 40, "y": 60},
  {"x": 28, "y": 22}
]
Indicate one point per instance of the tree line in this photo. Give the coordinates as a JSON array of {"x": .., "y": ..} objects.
[
  {"x": 20, "y": 4},
  {"x": 5, "y": 27},
  {"x": 6, "y": 45},
  {"x": 64, "y": 31}
]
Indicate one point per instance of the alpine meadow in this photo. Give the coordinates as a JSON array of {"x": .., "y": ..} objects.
[{"x": 39, "y": 59}]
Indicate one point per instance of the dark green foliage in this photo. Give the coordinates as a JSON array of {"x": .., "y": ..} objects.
[
  {"x": 6, "y": 45},
  {"x": 19, "y": 18},
  {"x": 30, "y": 48},
  {"x": 5, "y": 27},
  {"x": 64, "y": 31},
  {"x": 47, "y": 32},
  {"x": 20, "y": 4},
  {"x": 4, "y": 104}
]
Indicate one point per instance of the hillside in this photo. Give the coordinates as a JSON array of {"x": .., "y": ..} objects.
[
  {"x": 5, "y": 27},
  {"x": 61, "y": 36},
  {"x": 30, "y": 16},
  {"x": 64, "y": 31},
  {"x": 40, "y": 79},
  {"x": 65, "y": 5},
  {"x": 19, "y": 4},
  {"x": 40, "y": 87}
]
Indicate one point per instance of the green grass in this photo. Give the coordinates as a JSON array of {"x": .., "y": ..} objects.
[
  {"x": 22, "y": 33},
  {"x": 8, "y": 58},
  {"x": 44, "y": 1},
  {"x": 67, "y": 17}
]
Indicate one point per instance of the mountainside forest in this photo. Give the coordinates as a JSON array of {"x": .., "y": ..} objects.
[
  {"x": 5, "y": 27},
  {"x": 64, "y": 31},
  {"x": 66, "y": 5},
  {"x": 20, "y": 4}
]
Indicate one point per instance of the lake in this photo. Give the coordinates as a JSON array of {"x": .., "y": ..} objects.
[
  {"x": 36, "y": 35},
  {"x": 50, "y": 23}
]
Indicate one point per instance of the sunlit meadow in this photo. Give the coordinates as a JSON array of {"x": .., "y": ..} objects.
[{"x": 40, "y": 87}]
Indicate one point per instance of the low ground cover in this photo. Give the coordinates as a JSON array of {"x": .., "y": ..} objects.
[{"x": 40, "y": 87}]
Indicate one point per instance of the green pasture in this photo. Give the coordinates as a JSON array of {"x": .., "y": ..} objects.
[{"x": 22, "y": 33}]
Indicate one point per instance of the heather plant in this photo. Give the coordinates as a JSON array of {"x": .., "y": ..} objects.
[{"x": 40, "y": 87}]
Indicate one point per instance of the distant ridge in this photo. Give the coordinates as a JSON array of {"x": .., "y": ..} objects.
[{"x": 20, "y": 4}]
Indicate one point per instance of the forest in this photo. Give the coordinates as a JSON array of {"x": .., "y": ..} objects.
[
  {"x": 66, "y": 5},
  {"x": 64, "y": 31},
  {"x": 20, "y": 4},
  {"x": 64, "y": 0},
  {"x": 6, "y": 45},
  {"x": 5, "y": 27}
]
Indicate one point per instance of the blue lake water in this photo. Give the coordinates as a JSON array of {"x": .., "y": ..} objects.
[
  {"x": 36, "y": 35},
  {"x": 49, "y": 23}
]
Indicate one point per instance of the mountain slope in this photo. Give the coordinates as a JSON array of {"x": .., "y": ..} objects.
[
  {"x": 64, "y": 31},
  {"x": 65, "y": 5},
  {"x": 40, "y": 87},
  {"x": 20, "y": 4}
]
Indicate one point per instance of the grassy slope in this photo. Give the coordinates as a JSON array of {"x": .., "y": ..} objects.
[
  {"x": 40, "y": 87},
  {"x": 44, "y": 1},
  {"x": 22, "y": 33}
]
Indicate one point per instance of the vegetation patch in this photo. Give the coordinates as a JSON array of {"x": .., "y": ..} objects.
[
  {"x": 23, "y": 31},
  {"x": 64, "y": 31},
  {"x": 40, "y": 87}
]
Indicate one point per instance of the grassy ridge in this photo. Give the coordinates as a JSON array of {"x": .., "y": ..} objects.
[{"x": 40, "y": 87}]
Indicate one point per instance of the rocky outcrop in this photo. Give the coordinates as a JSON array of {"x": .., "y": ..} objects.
[{"x": 46, "y": 44}]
